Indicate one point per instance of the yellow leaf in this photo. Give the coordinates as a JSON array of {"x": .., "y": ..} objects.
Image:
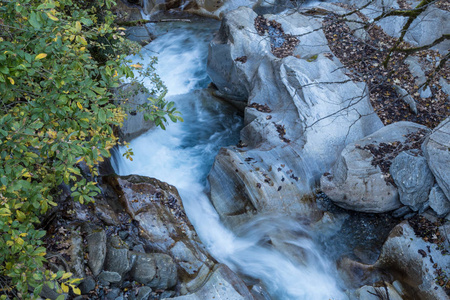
[
  {"x": 40, "y": 56},
  {"x": 79, "y": 105},
  {"x": 20, "y": 216},
  {"x": 52, "y": 134},
  {"x": 9, "y": 243},
  {"x": 83, "y": 40},
  {"x": 19, "y": 241},
  {"x": 121, "y": 28},
  {"x": 76, "y": 290},
  {"x": 65, "y": 288},
  {"x": 82, "y": 48},
  {"x": 137, "y": 66},
  {"x": 79, "y": 160},
  {"x": 27, "y": 174},
  {"x": 11, "y": 80},
  {"x": 66, "y": 275},
  {"x": 78, "y": 26},
  {"x": 23, "y": 234},
  {"x": 5, "y": 212},
  {"x": 52, "y": 17}
]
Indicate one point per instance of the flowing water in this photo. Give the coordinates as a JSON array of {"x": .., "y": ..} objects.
[{"x": 183, "y": 154}]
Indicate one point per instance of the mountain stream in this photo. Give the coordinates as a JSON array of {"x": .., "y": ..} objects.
[{"x": 183, "y": 154}]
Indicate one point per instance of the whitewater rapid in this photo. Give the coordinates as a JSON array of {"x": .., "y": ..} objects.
[{"x": 183, "y": 154}]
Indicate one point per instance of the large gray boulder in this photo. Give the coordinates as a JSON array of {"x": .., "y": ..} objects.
[
  {"x": 360, "y": 178},
  {"x": 302, "y": 111},
  {"x": 432, "y": 24},
  {"x": 414, "y": 262},
  {"x": 222, "y": 284},
  {"x": 135, "y": 123},
  {"x": 413, "y": 179},
  {"x": 437, "y": 153}
]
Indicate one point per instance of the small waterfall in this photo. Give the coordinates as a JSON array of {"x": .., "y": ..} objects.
[{"x": 183, "y": 155}]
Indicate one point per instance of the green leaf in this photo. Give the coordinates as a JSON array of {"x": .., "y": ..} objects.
[
  {"x": 4, "y": 69},
  {"x": 48, "y": 5},
  {"x": 34, "y": 20},
  {"x": 101, "y": 115}
]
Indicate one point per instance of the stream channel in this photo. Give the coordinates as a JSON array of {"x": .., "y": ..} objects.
[{"x": 183, "y": 154}]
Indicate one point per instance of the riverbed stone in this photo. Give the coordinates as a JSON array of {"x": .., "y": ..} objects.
[
  {"x": 117, "y": 256},
  {"x": 109, "y": 277},
  {"x": 166, "y": 272},
  {"x": 113, "y": 294},
  {"x": 87, "y": 285},
  {"x": 289, "y": 137},
  {"x": 401, "y": 212},
  {"x": 407, "y": 98},
  {"x": 144, "y": 267},
  {"x": 356, "y": 183},
  {"x": 413, "y": 178},
  {"x": 96, "y": 244},
  {"x": 144, "y": 293},
  {"x": 438, "y": 201},
  {"x": 437, "y": 152}
]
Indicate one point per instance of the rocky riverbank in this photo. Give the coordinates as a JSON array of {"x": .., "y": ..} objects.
[
  {"x": 135, "y": 242},
  {"x": 291, "y": 122}
]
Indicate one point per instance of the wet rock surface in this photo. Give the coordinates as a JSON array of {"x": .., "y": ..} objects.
[
  {"x": 355, "y": 235},
  {"x": 135, "y": 123}
]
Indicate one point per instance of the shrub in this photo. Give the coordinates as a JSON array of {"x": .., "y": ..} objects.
[{"x": 59, "y": 63}]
